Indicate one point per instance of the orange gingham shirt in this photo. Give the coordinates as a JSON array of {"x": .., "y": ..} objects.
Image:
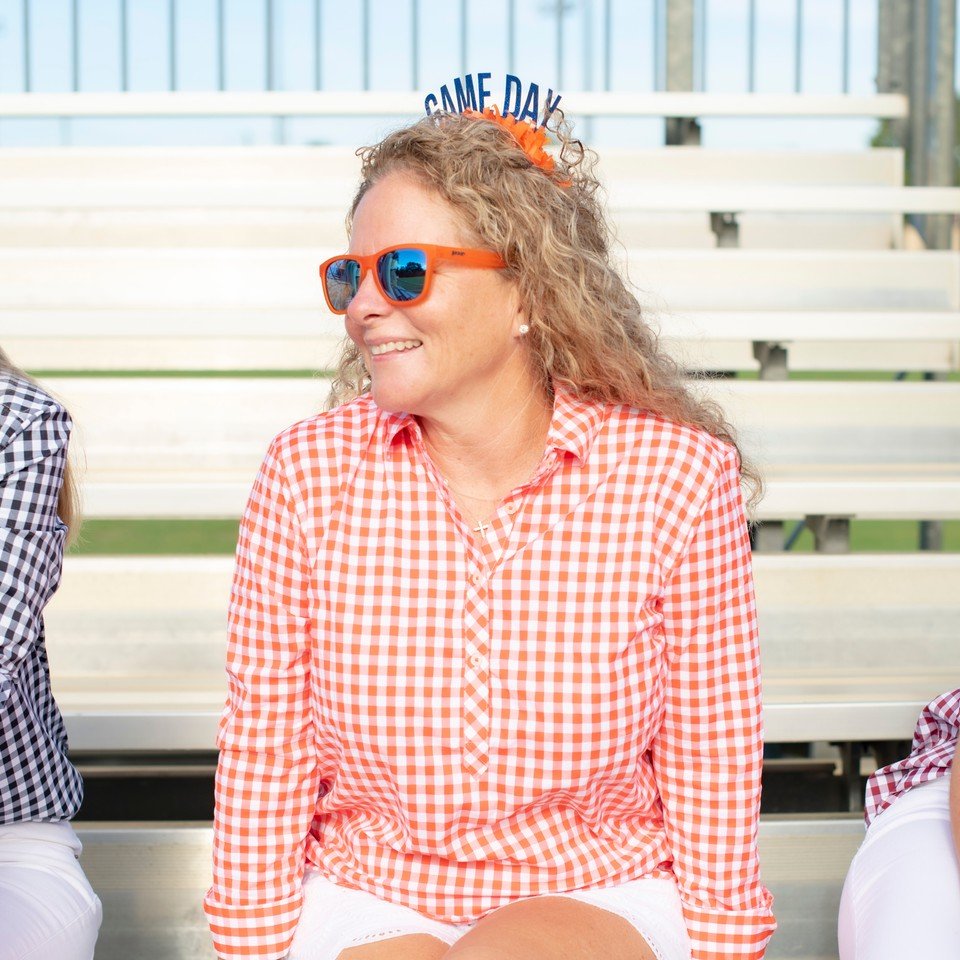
[{"x": 453, "y": 722}]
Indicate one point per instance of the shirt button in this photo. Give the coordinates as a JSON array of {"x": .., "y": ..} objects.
[
  {"x": 476, "y": 579},
  {"x": 476, "y": 660},
  {"x": 513, "y": 506}
]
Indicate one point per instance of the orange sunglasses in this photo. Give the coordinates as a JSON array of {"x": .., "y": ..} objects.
[{"x": 402, "y": 272}]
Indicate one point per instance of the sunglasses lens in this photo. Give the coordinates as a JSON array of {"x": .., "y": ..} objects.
[
  {"x": 342, "y": 279},
  {"x": 403, "y": 273}
]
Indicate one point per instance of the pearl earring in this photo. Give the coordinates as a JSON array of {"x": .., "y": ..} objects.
[{"x": 523, "y": 330}]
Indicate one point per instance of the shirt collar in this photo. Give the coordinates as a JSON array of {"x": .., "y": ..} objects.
[{"x": 573, "y": 427}]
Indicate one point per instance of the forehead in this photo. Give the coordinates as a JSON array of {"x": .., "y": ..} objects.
[{"x": 400, "y": 209}]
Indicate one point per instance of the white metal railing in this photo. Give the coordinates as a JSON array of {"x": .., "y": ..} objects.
[
  {"x": 571, "y": 30},
  {"x": 385, "y": 103}
]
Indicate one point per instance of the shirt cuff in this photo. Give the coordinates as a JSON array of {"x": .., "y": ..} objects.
[
  {"x": 261, "y": 931},
  {"x": 729, "y": 934}
]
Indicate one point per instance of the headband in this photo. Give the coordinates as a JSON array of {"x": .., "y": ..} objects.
[{"x": 525, "y": 124}]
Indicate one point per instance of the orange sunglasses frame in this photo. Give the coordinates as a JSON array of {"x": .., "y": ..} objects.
[{"x": 463, "y": 256}]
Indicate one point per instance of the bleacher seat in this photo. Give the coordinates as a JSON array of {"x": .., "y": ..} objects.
[{"x": 152, "y": 877}]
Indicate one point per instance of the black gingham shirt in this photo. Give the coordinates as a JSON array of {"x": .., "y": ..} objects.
[{"x": 37, "y": 781}]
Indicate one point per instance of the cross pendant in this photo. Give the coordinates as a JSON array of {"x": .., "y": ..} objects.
[{"x": 481, "y": 528}]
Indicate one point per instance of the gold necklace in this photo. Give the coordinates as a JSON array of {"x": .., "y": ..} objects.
[{"x": 482, "y": 526}]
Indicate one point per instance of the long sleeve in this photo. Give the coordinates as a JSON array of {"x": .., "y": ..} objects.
[
  {"x": 33, "y": 457},
  {"x": 708, "y": 753},
  {"x": 267, "y": 775},
  {"x": 37, "y": 779}
]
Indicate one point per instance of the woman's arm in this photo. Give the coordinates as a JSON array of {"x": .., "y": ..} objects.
[
  {"x": 708, "y": 754},
  {"x": 34, "y": 438},
  {"x": 267, "y": 783}
]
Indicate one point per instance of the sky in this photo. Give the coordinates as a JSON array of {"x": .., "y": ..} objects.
[{"x": 571, "y": 60}]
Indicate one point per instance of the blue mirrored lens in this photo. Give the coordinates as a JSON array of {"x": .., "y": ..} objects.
[
  {"x": 342, "y": 280},
  {"x": 403, "y": 273}
]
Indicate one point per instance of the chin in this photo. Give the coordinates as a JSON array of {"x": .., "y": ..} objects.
[{"x": 390, "y": 401}]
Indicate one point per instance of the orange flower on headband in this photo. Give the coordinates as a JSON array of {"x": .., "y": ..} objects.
[{"x": 530, "y": 139}]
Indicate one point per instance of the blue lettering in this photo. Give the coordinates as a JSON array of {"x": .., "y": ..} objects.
[
  {"x": 483, "y": 94},
  {"x": 465, "y": 98},
  {"x": 447, "y": 100},
  {"x": 549, "y": 107},
  {"x": 430, "y": 98},
  {"x": 531, "y": 106},
  {"x": 512, "y": 88}
]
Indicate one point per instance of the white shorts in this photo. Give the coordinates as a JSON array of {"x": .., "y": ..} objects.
[
  {"x": 48, "y": 910},
  {"x": 335, "y": 918},
  {"x": 901, "y": 897}
]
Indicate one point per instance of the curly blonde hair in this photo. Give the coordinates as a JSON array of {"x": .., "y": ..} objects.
[{"x": 587, "y": 331}]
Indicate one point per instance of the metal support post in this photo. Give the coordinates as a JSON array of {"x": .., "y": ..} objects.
[
  {"x": 851, "y": 754},
  {"x": 931, "y": 535},
  {"x": 727, "y": 229},
  {"x": 941, "y": 115},
  {"x": 767, "y": 537},
  {"x": 894, "y": 46},
  {"x": 773, "y": 360},
  {"x": 915, "y": 55},
  {"x": 680, "y": 131},
  {"x": 830, "y": 534}
]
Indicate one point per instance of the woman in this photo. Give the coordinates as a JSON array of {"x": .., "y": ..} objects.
[
  {"x": 494, "y": 684},
  {"x": 902, "y": 893},
  {"x": 47, "y": 907}
]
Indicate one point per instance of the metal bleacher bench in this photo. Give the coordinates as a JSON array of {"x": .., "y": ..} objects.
[
  {"x": 153, "y": 876},
  {"x": 834, "y": 627},
  {"x": 199, "y": 197},
  {"x": 869, "y": 450},
  {"x": 834, "y": 633}
]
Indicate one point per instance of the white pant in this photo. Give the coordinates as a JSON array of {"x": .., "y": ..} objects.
[
  {"x": 902, "y": 893},
  {"x": 47, "y": 909},
  {"x": 335, "y": 918}
]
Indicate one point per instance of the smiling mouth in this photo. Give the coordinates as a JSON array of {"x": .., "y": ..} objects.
[{"x": 394, "y": 346}]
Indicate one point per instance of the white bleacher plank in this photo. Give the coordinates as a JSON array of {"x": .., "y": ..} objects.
[
  {"x": 679, "y": 196},
  {"x": 141, "y": 714},
  {"x": 194, "y": 280},
  {"x": 791, "y": 326},
  {"x": 163, "y": 163},
  {"x": 156, "y": 354},
  {"x": 875, "y": 492},
  {"x": 301, "y": 324},
  {"x": 328, "y": 194},
  {"x": 830, "y": 423},
  {"x": 380, "y": 103},
  {"x": 881, "y": 450},
  {"x": 190, "y": 227},
  {"x": 208, "y": 194},
  {"x": 780, "y": 423},
  {"x": 878, "y": 166},
  {"x": 273, "y": 350},
  {"x": 296, "y": 196},
  {"x": 831, "y": 630}
]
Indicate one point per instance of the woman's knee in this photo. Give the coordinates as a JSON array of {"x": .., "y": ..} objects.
[{"x": 548, "y": 927}]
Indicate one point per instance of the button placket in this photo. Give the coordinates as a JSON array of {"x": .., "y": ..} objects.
[{"x": 476, "y": 703}]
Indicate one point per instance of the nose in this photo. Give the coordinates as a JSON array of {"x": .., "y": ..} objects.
[{"x": 368, "y": 303}]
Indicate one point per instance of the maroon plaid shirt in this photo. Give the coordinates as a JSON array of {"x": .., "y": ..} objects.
[{"x": 934, "y": 743}]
